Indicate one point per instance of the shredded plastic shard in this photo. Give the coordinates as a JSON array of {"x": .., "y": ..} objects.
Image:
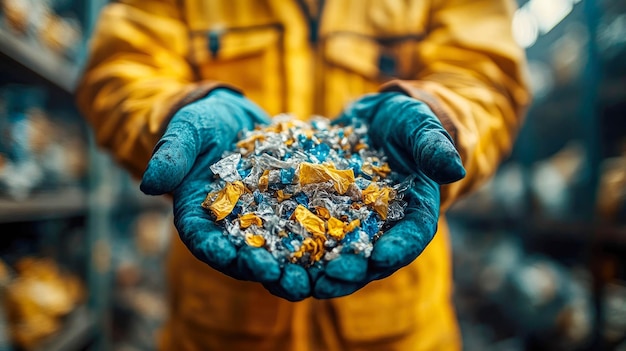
[
  {"x": 255, "y": 240},
  {"x": 226, "y": 168},
  {"x": 306, "y": 192},
  {"x": 312, "y": 223},
  {"x": 313, "y": 246},
  {"x": 249, "y": 219},
  {"x": 226, "y": 200},
  {"x": 335, "y": 228},
  {"x": 378, "y": 198},
  {"x": 312, "y": 174}
]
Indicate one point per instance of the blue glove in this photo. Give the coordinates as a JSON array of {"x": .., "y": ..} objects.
[
  {"x": 195, "y": 138},
  {"x": 416, "y": 144}
]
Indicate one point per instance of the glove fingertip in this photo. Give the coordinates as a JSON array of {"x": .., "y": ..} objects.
[
  {"x": 258, "y": 265},
  {"x": 350, "y": 268},
  {"x": 393, "y": 251},
  {"x": 153, "y": 183},
  {"x": 444, "y": 170},
  {"x": 315, "y": 272},
  {"x": 439, "y": 159},
  {"x": 216, "y": 251},
  {"x": 328, "y": 288},
  {"x": 165, "y": 170},
  {"x": 294, "y": 284}
]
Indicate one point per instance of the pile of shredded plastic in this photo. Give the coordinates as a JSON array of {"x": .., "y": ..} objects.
[{"x": 306, "y": 192}]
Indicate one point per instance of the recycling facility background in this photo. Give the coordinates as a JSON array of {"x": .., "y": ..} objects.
[{"x": 539, "y": 252}]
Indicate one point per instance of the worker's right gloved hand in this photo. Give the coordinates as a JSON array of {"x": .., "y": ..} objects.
[
  {"x": 416, "y": 145},
  {"x": 195, "y": 138}
]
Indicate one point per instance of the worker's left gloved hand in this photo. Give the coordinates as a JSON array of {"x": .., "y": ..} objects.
[
  {"x": 195, "y": 138},
  {"x": 416, "y": 144}
]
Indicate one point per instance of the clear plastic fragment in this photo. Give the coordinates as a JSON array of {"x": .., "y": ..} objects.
[
  {"x": 226, "y": 168},
  {"x": 306, "y": 192}
]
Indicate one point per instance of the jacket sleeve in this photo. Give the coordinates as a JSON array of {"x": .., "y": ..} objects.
[
  {"x": 137, "y": 77},
  {"x": 473, "y": 78}
]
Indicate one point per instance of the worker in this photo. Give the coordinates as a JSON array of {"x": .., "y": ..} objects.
[{"x": 169, "y": 84}]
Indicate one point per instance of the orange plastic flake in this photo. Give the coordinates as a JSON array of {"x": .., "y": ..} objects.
[
  {"x": 279, "y": 127},
  {"x": 356, "y": 205},
  {"x": 225, "y": 200},
  {"x": 319, "y": 250},
  {"x": 264, "y": 180},
  {"x": 289, "y": 142},
  {"x": 352, "y": 226},
  {"x": 322, "y": 212},
  {"x": 314, "y": 173},
  {"x": 335, "y": 228},
  {"x": 378, "y": 198},
  {"x": 255, "y": 240},
  {"x": 249, "y": 144},
  {"x": 367, "y": 168},
  {"x": 282, "y": 196},
  {"x": 370, "y": 193},
  {"x": 312, "y": 223},
  {"x": 314, "y": 246},
  {"x": 383, "y": 170},
  {"x": 347, "y": 131},
  {"x": 359, "y": 146},
  {"x": 249, "y": 219}
]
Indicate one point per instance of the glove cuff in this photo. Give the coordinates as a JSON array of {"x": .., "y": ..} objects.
[{"x": 410, "y": 89}]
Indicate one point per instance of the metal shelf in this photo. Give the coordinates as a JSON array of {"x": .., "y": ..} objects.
[
  {"x": 44, "y": 62},
  {"x": 78, "y": 332},
  {"x": 56, "y": 204}
]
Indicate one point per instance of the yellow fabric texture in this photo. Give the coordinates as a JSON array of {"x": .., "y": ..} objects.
[{"x": 150, "y": 57}]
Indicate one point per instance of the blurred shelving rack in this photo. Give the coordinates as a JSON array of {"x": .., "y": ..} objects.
[
  {"x": 28, "y": 62},
  {"x": 55, "y": 204},
  {"x": 103, "y": 192},
  {"x": 571, "y": 110},
  {"x": 47, "y": 64},
  {"x": 79, "y": 331}
]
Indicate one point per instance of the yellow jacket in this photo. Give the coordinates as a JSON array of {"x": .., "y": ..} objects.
[{"x": 150, "y": 57}]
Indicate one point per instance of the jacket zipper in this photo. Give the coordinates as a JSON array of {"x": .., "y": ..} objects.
[{"x": 314, "y": 23}]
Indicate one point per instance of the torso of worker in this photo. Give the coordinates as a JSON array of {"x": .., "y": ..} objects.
[
  {"x": 306, "y": 58},
  {"x": 268, "y": 50}
]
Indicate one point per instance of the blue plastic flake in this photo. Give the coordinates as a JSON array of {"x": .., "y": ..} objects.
[
  {"x": 244, "y": 172},
  {"x": 356, "y": 163},
  {"x": 302, "y": 199},
  {"x": 316, "y": 124},
  {"x": 235, "y": 213},
  {"x": 287, "y": 244},
  {"x": 258, "y": 197},
  {"x": 350, "y": 237},
  {"x": 321, "y": 152},
  {"x": 302, "y": 138},
  {"x": 370, "y": 225},
  {"x": 275, "y": 187},
  {"x": 362, "y": 183},
  {"x": 308, "y": 145},
  {"x": 286, "y": 175}
]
